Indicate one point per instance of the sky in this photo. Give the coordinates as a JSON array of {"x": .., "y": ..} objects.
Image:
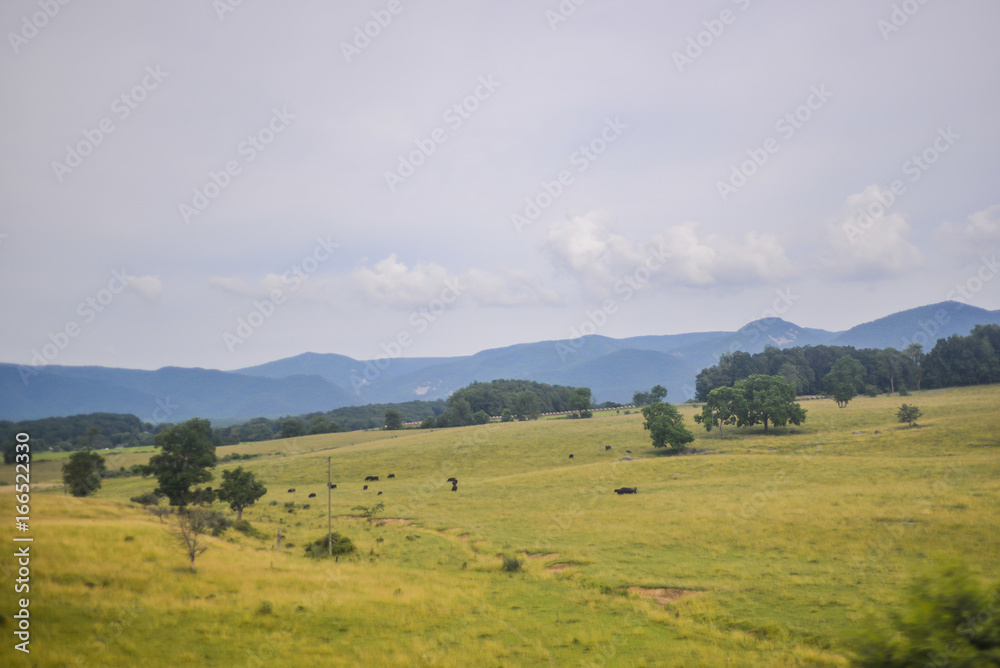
[{"x": 225, "y": 183}]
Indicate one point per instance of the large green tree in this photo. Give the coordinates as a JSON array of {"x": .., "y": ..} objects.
[
  {"x": 240, "y": 489},
  {"x": 82, "y": 472},
  {"x": 768, "y": 399},
  {"x": 527, "y": 406},
  {"x": 186, "y": 457},
  {"x": 723, "y": 406},
  {"x": 393, "y": 419},
  {"x": 845, "y": 380},
  {"x": 666, "y": 426}
]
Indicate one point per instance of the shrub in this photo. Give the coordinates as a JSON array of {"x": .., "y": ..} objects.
[
  {"x": 341, "y": 545},
  {"x": 147, "y": 499},
  {"x": 244, "y": 527},
  {"x": 949, "y": 620},
  {"x": 266, "y": 608},
  {"x": 216, "y": 522},
  {"x": 510, "y": 564},
  {"x": 871, "y": 391}
]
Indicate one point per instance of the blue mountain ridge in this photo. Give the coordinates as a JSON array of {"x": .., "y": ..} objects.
[{"x": 313, "y": 382}]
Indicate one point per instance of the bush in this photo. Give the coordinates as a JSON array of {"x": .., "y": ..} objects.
[
  {"x": 216, "y": 522},
  {"x": 247, "y": 529},
  {"x": 510, "y": 564},
  {"x": 147, "y": 499},
  {"x": 341, "y": 545},
  {"x": 871, "y": 391},
  {"x": 266, "y": 608},
  {"x": 949, "y": 620}
]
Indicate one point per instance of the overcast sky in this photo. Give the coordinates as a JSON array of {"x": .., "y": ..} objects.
[{"x": 201, "y": 183}]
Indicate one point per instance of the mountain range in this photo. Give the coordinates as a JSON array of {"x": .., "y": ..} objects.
[{"x": 311, "y": 382}]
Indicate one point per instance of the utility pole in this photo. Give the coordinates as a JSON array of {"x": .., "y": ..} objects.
[{"x": 329, "y": 520}]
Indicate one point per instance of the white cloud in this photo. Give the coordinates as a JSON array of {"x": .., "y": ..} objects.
[
  {"x": 597, "y": 257},
  {"x": 981, "y": 234},
  {"x": 389, "y": 282},
  {"x": 148, "y": 287},
  {"x": 865, "y": 240}
]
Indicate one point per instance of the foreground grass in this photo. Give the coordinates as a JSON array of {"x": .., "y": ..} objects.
[{"x": 783, "y": 541}]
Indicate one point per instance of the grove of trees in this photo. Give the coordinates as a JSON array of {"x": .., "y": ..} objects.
[
  {"x": 843, "y": 372},
  {"x": 758, "y": 399}
]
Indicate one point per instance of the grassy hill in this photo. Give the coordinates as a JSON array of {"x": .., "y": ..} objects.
[{"x": 762, "y": 550}]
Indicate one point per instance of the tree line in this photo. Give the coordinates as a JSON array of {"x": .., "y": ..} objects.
[
  {"x": 955, "y": 361},
  {"x": 509, "y": 399}
]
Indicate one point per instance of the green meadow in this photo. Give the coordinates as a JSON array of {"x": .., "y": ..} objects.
[{"x": 757, "y": 550}]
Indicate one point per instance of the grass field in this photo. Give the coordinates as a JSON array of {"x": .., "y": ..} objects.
[{"x": 760, "y": 550}]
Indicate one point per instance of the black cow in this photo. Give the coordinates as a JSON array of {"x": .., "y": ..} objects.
[
  {"x": 571, "y": 456},
  {"x": 607, "y": 447},
  {"x": 379, "y": 494},
  {"x": 628, "y": 452},
  {"x": 291, "y": 490},
  {"x": 313, "y": 495},
  {"x": 626, "y": 490},
  {"x": 333, "y": 485},
  {"x": 371, "y": 478},
  {"x": 366, "y": 487},
  {"x": 391, "y": 475}
]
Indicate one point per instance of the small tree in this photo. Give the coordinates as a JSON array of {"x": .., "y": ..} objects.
[
  {"x": 240, "y": 489},
  {"x": 369, "y": 512},
  {"x": 724, "y": 405},
  {"x": 526, "y": 406},
  {"x": 666, "y": 426},
  {"x": 505, "y": 415},
  {"x": 187, "y": 456},
  {"x": 845, "y": 380},
  {"x": 190, "y": 532},
  {"x": 82, "y": 472},
  {"x": 393, "y": 419},
  {"x": 909, "y": 414}
]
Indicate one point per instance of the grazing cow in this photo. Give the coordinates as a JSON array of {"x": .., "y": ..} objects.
[
  {"x": 453, "y": 481},
  {"x": 626, "y": 490},
  {"x": 391, "y": 475},
  {"x": 628, "y": 452},
  {"x": 366, "y": 487},
  {"x": 313, "y": 495},
  {"x": 333, "y": 485},
  {"x": 607, "y": 447},
  {"x": 571, "y": 456},
  {"x": 379, "y": 494},
  {"x": 371, "y": 478},
  {"x": 291, "y": 490}
]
